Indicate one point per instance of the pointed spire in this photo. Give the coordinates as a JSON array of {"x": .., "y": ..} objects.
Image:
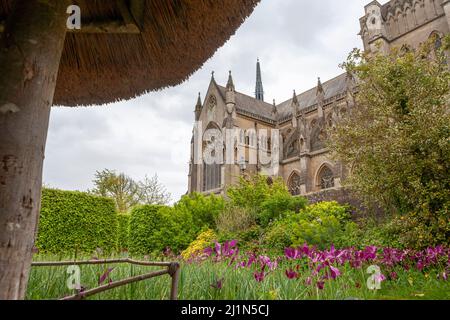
[
  {"x": 198, "y": 107},
  {"x": 199, "y": 101},
  {"x": 259, "y": 91},
  {"x": 274, "y": 108},
  {"x": 295, "y": 99},
  {"x": 319, "y": 87},
  {"x": 212, "y": 76},
  {"x": 230, "y": 84}
]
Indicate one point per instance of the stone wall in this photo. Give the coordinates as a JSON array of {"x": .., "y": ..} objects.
[{"x": 343, "y": 196}]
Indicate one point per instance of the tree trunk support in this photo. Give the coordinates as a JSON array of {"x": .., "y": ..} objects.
[{"x": 30, "y": 51}]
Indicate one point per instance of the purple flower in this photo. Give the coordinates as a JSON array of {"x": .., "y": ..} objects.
[
  {"x": 218, "y": 284},
  {"x": 291, "y": 274},
  {"x": 105, "y": 276},
  {"x": 291, "y": 253},
  {"x": 320, "y": 285},
  {"x": 308, "y": 281},
  {"x": 259, "y": 276},
  {"x": 394, "y": 275},
  {"x": 334, "y": 272}
]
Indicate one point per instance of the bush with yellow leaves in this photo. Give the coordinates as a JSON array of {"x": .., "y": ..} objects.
[{"x": 196, "y": 248}]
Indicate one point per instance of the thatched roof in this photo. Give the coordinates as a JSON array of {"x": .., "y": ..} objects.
[{"x": 128, "y": 47}]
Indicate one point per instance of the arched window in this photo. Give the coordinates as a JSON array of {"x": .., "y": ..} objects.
[
  {"x": 212, "y": 168},
  {"x": 326, "y": 178},
  {"x": 294, "y": 184}
]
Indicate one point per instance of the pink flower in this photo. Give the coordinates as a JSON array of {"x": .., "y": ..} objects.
[
  {"x": 291, "y": 274},
  {"x": 308, "y": 281},
  {"x": 291, "y": 253},
  {"x": 334, "y": 272},
  {"x": 320, "y": 285},
  {"x": 259, "y": 276},
  {"x": 394, "y": 275}
]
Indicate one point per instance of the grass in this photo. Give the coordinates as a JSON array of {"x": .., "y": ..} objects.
[{"x": 197, "y": 283}]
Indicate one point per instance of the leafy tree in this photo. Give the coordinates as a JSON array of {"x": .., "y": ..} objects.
[
  {"x": 127, "y": 192},
  {"x": 396, "y": 139},
  {"x": 203, "y": 209},
  {"x": 252, "y": 191},
  {"x": 123, "y": 189}
]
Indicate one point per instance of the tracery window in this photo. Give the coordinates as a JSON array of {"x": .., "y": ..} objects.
[
  {"x": 326, "y": 178},
  {"x": 294, "y": 184}
]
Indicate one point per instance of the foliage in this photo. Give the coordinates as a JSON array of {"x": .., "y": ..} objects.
[
  {"x": 123, "y": 231},
  {"x": 235, "y": 219},
  {"x": 127, "y": 192},
  {"x": 319, "y": 224},
  {"x": 203, "y": 209},
  {"x": 251, "y": 192},
  {"x": 276, "y": 207},
  {"x": 123, "y": 189},
  {"x": 203, "y": 241},
  {"x": 397, "y": 137},
  {"x": 155, "y": 228},
  {"x": 75, "y": 222}
]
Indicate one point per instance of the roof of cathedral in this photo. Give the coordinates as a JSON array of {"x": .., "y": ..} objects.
[
  {"x": 308, "y": 98},
  {"x": 255, "y": 108},
  {"x": 251, "y": 106}
]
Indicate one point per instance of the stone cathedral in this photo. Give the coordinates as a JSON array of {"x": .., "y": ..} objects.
[{"x": 302, "y": 122}]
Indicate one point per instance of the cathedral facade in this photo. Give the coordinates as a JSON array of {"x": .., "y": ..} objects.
[{"x": 235, "y": 133}]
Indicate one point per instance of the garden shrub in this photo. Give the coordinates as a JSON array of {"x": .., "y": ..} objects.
[
  {"x": 203, "y": 241},
  {"x": 123, "y": 232},
  {"x": 319, "y": 224},
  {"x": 75, "y": 222},
  {"x": 235, "y": 219},
  {"x": 251, "y": 192},
  {"x": 203, "y": 209},
  {"x": 278, "y": 205},
  {"x": 155, "y": 228}
]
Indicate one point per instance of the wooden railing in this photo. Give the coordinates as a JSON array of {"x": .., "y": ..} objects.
[{"x": 171, "y": 268}]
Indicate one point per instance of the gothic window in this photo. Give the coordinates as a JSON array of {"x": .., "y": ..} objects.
[
  {"x": 242, "y": 136},
  {"x": 294, "y": 184},
  {"x": 326, "y": 178}
]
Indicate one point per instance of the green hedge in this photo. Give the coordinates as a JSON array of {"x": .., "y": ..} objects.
[
  {"x": 156, "y": 228},
  {"x": 75, "y": 222},
  {"x": 123, "y": 232}
]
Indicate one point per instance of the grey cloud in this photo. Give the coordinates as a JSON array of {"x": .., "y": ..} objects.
[{"x": 296, "y": 41}]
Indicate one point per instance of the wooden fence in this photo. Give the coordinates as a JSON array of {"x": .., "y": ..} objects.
[{"x": 171, "y": 268}]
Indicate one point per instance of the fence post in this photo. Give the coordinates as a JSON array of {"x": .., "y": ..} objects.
[{"x": 174, "y": 271}]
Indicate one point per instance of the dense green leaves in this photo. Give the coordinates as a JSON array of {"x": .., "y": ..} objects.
[
  {"x": 156, "y": 228},
  {"x": 321, "y": 224},
  {"x": 397, "y": 137},
  {"x": 76, "y": 222},
  {"x": 203, "y": 209}
]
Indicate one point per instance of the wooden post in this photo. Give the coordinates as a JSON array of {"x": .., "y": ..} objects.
[
  {"x": 30, "y": 51},
  {"x": 174, "y": 271}
]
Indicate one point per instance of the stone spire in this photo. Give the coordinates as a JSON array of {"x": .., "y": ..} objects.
[
  {"x": 294, "y": 107},
  {"x": 259, "y": 91},
  {"x": 230, "y": 84},
  {"x": 320, "y": 95},
  {"x": 230, "y": 101},
  {"x": 198, "y": 107}
]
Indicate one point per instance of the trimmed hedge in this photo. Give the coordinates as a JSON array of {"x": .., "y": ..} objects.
[
  {"x": 156, "y": 228},
  {"x": 76, "y": 222},
  {"x": 123, "y": 231}
]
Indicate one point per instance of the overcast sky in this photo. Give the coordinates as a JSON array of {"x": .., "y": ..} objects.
[{"x": 296, "y": 41}]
